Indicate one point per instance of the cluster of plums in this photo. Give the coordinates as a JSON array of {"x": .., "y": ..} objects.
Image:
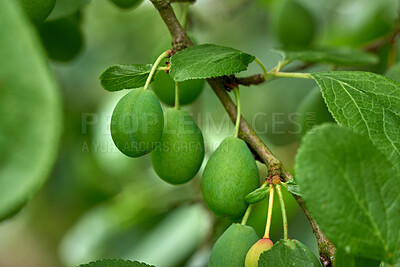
[
  {"x": 239, "y": 245},
  {"x": 139, "y": 127}
]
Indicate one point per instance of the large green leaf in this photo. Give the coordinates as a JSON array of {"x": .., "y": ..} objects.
[
  {"x": 342, "y": 259},
  {"x": 119, "y": 77},
  {"x": 207, "y": 61},
  {"x": 287, "y": 253},
  {"x": 30, "y": 111},
  {"x": 352, "y": 191},
  {"x": 339, "y": 56},
  {"x": 115, "y": 263},
  {"x": 367, "y": 102}
]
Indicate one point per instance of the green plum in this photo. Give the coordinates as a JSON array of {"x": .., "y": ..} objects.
[
  {"x": 127, "y": 4},
  {"x": 253, "y": 255},
  {"x": 181, "y": 150},
  {"x": 232, "y": 246},
  {"x": 38, "y": 10},
  {"x": 230, "y": 174},
  {"x": 293, "y": 24},
  {"x": 164, "y": 86},
  {"x": 62, "y": 37},
  {"x": 137, "y": 123}
]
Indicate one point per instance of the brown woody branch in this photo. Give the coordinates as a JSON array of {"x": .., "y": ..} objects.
[
  {"x": 180, "y": 40},
  {"x": 251, "y": 80}
]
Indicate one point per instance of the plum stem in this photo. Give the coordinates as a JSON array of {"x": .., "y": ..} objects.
[
  {"x": 283, "y": 209},
  {"x": 247, "y": 214},
  {"x": 269, "y": 216},
  {"x": 154, "y": 68}
]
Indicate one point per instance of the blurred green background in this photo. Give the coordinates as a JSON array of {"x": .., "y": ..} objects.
[{"x": 98, "y": 203}]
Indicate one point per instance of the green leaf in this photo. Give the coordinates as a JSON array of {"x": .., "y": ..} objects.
[
  {"x": 257, "y": 195},
  {"x": 208, "y": 61},
  {"x": 119, "y": 77},
  {"x": 64, "y": 8},
  {"x": 367, "y": 102},
  {"x": 343, "y": 56},
  {"x": 342, "y": 259},
  {"x": 115, "y": 263},
  {"x": 287, "y": 253},
  {"x": 30, "y": 106},
  {"x": 292, "y": 187},
  {"x": 351, "y": 190}
]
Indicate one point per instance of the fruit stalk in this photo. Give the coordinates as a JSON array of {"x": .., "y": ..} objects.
[
  {"x": 283, "y": 209},
  {"x": 238, "y": 105},
  {"x": 154, "y": 68},
  {"x": 269, "y": 216},
  {"x": 247, "y": 214}
]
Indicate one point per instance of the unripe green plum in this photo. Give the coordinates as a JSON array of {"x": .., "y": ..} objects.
[
  {"x": 313, "y": 111},
  {"x": 164, "y": 86},
  {"x": 62, "y": 37},
  {"x": 127, "y": 4},
  {"x": 294, "y": 24},
  {"x": 253, "y": 255},
  {"x": 230, "y": 174},
  {"x": 231, "y": 247},
  {"x": 137, "y": 123},
  {"x": 38, "y": 10},
  {"x": 181, "y": 151}
]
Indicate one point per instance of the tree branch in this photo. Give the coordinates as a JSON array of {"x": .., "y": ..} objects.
[
  {"x": 251, "y": 80},
  {"x": 180, "y": 40}
]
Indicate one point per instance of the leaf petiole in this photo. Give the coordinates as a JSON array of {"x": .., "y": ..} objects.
[
  {"x": 264, "y": 69},
  {"x": 290, "y": 75},
  {"x": 280, "y": 65}
]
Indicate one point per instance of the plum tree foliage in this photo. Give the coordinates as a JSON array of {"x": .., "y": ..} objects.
[{"x": 347, "y": 167}]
